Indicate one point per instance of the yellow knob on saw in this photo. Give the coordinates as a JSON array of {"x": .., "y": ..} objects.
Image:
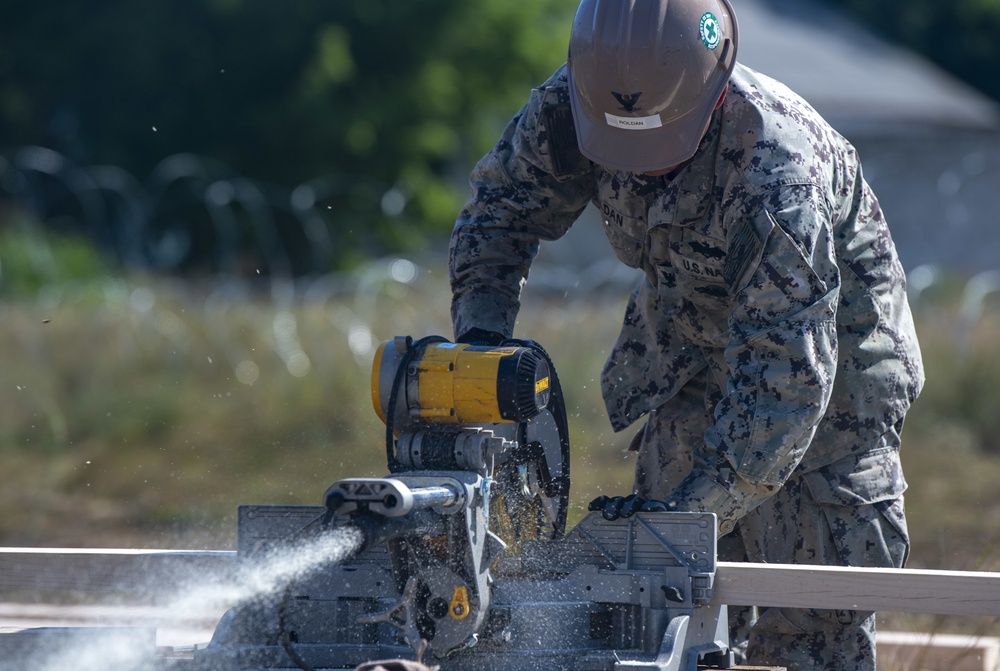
[{"x": 459, "y": 607}]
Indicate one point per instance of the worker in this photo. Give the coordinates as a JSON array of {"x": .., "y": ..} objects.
[{"x": 769, "y": 344}]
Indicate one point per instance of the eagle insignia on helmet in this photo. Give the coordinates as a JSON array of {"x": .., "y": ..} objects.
[{"x": 627, "y": 100}]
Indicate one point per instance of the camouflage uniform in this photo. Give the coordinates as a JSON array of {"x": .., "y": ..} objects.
[{"x": 770, "y": 345}]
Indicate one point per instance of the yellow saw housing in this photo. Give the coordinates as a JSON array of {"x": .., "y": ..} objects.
[{"x": 455, "y": 383}]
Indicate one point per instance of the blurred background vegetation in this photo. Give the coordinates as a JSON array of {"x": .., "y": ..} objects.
[
  {"x": 374, "y": 107},
  {"x": 153, "y": 378},
  {"x": 355, "y": 121}
]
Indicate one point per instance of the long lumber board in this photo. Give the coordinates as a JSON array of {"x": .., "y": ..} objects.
[
  {"x": 151, "y": 572},
  {"x": 834, "y": 587}
]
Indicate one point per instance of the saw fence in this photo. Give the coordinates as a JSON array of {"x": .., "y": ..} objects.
[{"x": 45, "y": 587}]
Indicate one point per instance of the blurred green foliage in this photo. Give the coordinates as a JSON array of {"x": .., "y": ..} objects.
[
  {"x": 395, "y": 93},
  {"x": 362, "y": 98},
  {"x": 32, "y": 259}
]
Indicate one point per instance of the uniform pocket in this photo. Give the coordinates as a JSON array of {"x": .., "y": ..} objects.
[
  {"x": 869, "y": 535},
  {"x": 894, "y": 530},
  {"x": 854, "y": 480},
  {"x": 626, "y": 233}
]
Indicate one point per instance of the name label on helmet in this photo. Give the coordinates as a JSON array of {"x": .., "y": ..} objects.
[{"x": 633, "y": 122}]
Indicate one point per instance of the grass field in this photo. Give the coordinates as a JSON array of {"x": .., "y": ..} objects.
[
  {"x": 140, "y": 412},
  {"x": 143, "y": 412}
]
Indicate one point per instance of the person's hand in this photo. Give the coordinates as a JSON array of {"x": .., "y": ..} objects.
[
  {"x": 480, "y": 338},
  {"x": 614, "y": 507}
]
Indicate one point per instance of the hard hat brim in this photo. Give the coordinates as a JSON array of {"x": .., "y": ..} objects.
[{"x": 649, "y": 147}]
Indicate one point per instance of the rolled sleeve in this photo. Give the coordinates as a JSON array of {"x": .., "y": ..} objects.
[{"x": 709, "y": 492}]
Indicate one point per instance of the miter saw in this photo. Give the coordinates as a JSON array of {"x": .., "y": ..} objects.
[{"x": 466, "y": 563}]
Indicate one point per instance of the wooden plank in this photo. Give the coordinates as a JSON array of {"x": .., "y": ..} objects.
[
  {"x": 137, "y": 572},
  {"x": 153, "y": 572},
  {"x": 833, "y": 587},
  {"x": 937, "y": 652}
]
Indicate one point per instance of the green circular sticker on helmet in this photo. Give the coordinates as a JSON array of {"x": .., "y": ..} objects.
[{"x": 711, "y": 31}]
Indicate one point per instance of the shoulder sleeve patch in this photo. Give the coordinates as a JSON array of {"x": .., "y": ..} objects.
[
  {"x": 746, "y": 245},
  {"x": 558, "y": 134}
]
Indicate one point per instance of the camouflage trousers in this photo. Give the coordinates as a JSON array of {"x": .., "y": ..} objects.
[{"x": 792, "y": 527}]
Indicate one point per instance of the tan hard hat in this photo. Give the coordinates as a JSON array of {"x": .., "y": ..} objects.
[{"x": 645, "y": 76}]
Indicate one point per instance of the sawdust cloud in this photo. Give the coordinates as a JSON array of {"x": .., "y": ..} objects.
[{"x": 263, "y": 577}]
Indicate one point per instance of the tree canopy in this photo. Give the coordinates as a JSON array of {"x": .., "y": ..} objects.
[
  {"x": 377, "y": 91},
  {"x": 366, "y": 97}
]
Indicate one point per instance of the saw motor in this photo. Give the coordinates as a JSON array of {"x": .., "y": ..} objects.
[
  {"x": 434, "y": 382},
  {"x": 495, "y": 411}
]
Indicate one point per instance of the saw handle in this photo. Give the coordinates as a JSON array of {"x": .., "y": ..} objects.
[{"x": 388, "y": 497}]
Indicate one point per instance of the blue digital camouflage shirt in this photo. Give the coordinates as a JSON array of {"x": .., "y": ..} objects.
[{"x": 766, "y": 260}]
